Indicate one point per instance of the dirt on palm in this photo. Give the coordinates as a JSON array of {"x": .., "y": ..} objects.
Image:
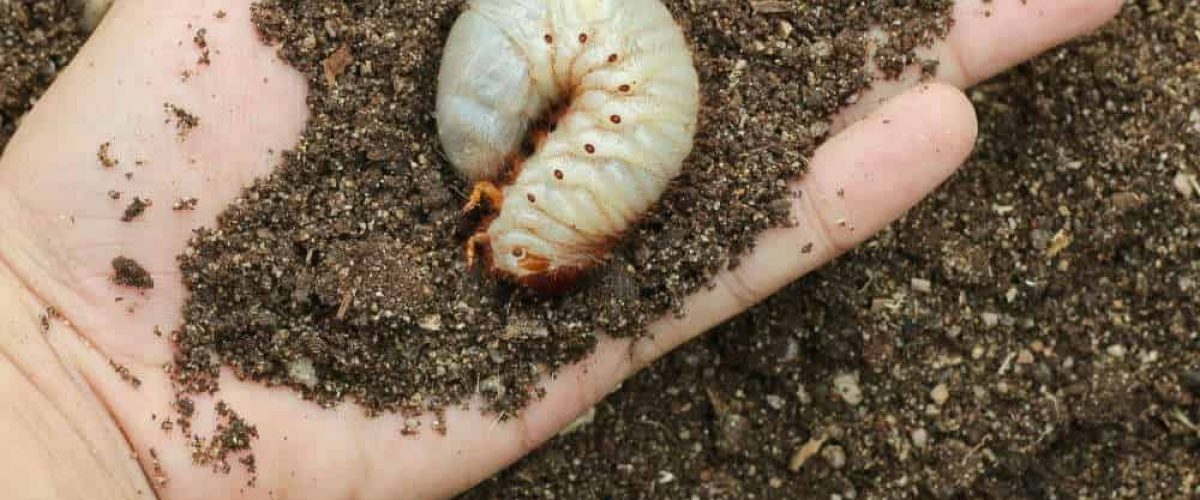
[{"x": 348, "y": 266}]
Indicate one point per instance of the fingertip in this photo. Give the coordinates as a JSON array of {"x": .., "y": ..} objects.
[
  {"x": 879, "y": 168},
  {"x": 989, "y": 37},
  {"x": 961, "y": 124},
  {"x": 909, "y": 146}
]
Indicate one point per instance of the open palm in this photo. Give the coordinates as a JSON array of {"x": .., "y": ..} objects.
[{"x": 76, "y": 424}]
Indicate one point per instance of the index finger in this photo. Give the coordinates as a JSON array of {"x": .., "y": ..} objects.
[{"x": 989, "y": 38}]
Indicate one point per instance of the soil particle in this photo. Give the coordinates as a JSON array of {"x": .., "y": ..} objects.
[
  {"x": 336, "y": 64},
  {"x": 231, "y": 438},
  {"x": 806, "y": 452},
  {"x": 184, "y": 121},
  {"x": 201, "y": 41},
  {"x": 104, "y": 154},
  {"x": 159, "y": 476},
  {"x": 185, "y": 204},
  {"x": 135, "y": 209},
  {"x": 835, "y": 456},
  {"x": 127, "y": 272},
  {"x": 125, "y": 374}
]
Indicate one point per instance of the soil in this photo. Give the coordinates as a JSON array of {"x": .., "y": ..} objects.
[
  {"x": 127, "y": 272},
  {"x": 104, "y": 154},
  {"x": 136, "y": 208},
  {"x": 184, "y": 121},
  {"x": 37, "y": 38},
  {"x": 358, "y": 279},
  {"x": 1029, "y": 332}
]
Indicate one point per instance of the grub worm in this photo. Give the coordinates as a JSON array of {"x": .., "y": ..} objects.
[{"x": 571, "y": 117}]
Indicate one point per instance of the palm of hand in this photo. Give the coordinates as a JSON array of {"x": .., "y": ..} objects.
[{"x": 61, "y": 230}]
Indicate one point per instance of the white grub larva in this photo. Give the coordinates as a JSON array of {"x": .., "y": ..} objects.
[{"x": 572, "y": 117}]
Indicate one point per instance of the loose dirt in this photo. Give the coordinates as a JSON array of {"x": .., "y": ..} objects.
[
  {"x": 37, "y": 38},
  {"x": 358, "y": 269}
]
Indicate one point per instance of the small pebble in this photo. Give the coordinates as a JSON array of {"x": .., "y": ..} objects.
[
  {"x": 1116, "y": 350},
  {"x": 1024, "y": 357},
  {"x": 302, "y": 372},
  {"x": 846, "y": 386},
  {"x": 977, "y": 352},
  {"x": 920, "y": 438},
  {"x": 922, "y": 285},
  {"x": 940, "y": 394},
  {"x": 990, "y": 319},
  {"x": 432, "y": 323},
  {"x": 1184, "y": 183},
  {"x": 835, "y": 456},
  {"x": 775, "y": 402}
]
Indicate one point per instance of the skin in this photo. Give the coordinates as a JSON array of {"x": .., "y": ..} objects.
[{"x": 70, "y": 428}]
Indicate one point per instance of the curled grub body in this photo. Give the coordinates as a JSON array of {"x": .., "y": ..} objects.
[{"x": 572, "y": 117}]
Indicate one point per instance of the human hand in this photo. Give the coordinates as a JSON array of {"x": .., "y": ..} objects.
[{"x": 59, "y": 232}]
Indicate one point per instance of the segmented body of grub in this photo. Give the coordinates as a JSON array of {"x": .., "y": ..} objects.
[{"x": 572, "y": 117}]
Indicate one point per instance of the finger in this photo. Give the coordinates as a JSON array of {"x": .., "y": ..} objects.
[
  {"x": 859, "y": 181},
  {"x": 988, "y": 38}
]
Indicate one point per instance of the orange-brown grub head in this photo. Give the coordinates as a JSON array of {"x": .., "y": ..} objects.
[
  {"x": 522, "y": 266},
  {"x": 537, "y": 272},
  {"x": 558, "y": 281}
]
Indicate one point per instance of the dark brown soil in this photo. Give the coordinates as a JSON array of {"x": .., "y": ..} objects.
[
  {"x": 104, "y": 155},
  {"x": 127, "y": 272},
  {"x": 127, "y": 376},
  {"x": 184, "y": 120},
  {"x": 37, "y": 38},
  {"x": 1016, "y": 375},
  {"x": 357, "y": 241},
  {"x": 136, "y": 208},
  {"x": 231, "y": 439}
]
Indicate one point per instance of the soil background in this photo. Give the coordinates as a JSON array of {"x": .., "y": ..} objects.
[{"x": 1031, "y": 331}]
